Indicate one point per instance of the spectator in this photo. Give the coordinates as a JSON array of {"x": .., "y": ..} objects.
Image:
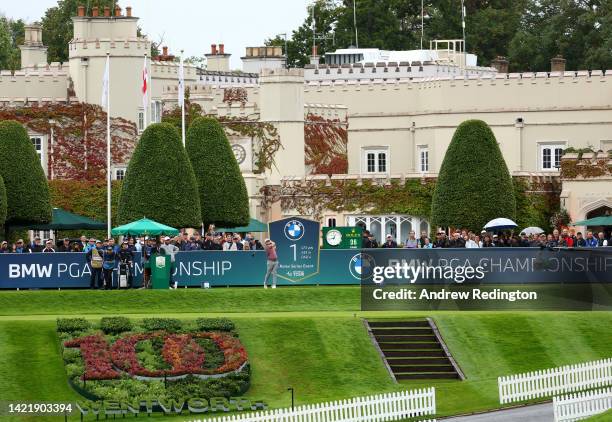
[
  {"x": 566, "y": 240},
  {"x": 591, "y": 241},
  {"x": 426, "y": 243},
  {"x": 580, "y": 241},
  {"x": 488, "y": 241},
  {"x": 412, "y": 241},
  {"x": 271, "y": 263},
  {"x": 4, "y": 248},
  {"x": 217, "y": 244},
  {"x": 83, "y": 243},
  {"x": 126, "y": 260},
  {"x": 422, "y": 239},
  {"x": 551, "y": 242},
  {"x": 65, "y": 246},
  {"x": 457, "y": 241},
  {"x": 48, "y": 247},
  {"x": 441, "y": 241},
  {"x": 373, "y": 241},
  {"x": 75, "y": 247},
  {"x": 20, "y": 247},
  {"x": 110, "y": 258},
  {"x": 601, "y": 240},
  {"x": 390, "y": 243},
  {"x": 366, "y": 243},
  {"x": 96, "y": 261},
  {"x": 36, "y": 246},
  {"x": 471, "y": 242},
  {"x": 208, "y": 242},
  {"x": 90, "y": 245}
]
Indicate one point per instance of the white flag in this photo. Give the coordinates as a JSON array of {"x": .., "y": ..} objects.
[
  {"x": 181, "y": 87},
  {"x": 105, "y": 84},
  {"x": 144, "y": 88}
]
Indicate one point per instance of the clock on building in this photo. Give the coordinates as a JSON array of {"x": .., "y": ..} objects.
[
  {"x": 333, "y": 237},
  {"x": 239, "y": 153}
]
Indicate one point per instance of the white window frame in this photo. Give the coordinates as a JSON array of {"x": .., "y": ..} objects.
[
  {"x": 42, "y": 153},
  {"x": 552, "y": 147},
  {"x": 118, "y": 169},
  {"x": 376, "y": 151},
  {"x": 156, "y": 111},
  {"x": 423, "y": 166},
  {"x": 140, "y": 120}
]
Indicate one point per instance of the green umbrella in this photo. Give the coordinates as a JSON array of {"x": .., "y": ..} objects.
[
  {"x": 253, "y": 226},
  {"x": 64, "y": 220},
  {"x": 605, "y": 220},
  {"x": 145, "y": 227}
]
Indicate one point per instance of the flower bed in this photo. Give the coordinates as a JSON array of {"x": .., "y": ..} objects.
[{"x": 96, "y": 356}]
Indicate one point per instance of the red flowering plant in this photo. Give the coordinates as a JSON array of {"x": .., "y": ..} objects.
[
  {"x": 233, "y": 351},
  {"x": 96, "y": 356}
]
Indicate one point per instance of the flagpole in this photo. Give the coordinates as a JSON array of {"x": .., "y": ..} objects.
[
  {"x": 183, "y": 101},
  {"x": 108, "y": 154}
]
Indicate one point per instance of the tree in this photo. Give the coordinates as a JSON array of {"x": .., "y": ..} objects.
[
  {"x": 11, "y": 37},
  {"x": 474, "y": 185},
  {"x": 160, "y": 183},
  {"x": 57, "y": 25},
  {"x": 2, "y": 202},
  {"x": 222, "y": 191},
  {"x": 27, "y": 192}
]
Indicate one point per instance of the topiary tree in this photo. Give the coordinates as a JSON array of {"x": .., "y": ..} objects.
[
  {"x": 159, "y": 183},
  {"x": 223, "y": 194},
  {"x": 474, "y": 185},
  {"x": 27, "y": 192},
  {"x": 2, "y": 202}
]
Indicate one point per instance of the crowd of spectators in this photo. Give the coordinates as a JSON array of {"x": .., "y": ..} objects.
[{"x": 469, "y": 239}]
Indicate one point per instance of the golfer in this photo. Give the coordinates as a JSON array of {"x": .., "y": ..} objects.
[{"x": 272, "y": 263}]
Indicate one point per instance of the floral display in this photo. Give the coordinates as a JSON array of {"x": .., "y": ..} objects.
[{"x": 97, "y": 357}]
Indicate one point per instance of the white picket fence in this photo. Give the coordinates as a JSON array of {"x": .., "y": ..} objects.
[
  {"x": 546, "y": 383},
  {"x": 382, "y": 407},
  {"x": 578, "y": 406}
]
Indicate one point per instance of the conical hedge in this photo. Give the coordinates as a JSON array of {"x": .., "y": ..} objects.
[
  {"x": 2, "y": 202},
  {"x": 474, "y": 185},
  {"x": 222, "y": 191},
  {"x": 27, "y": 192},
  {"x": 159, "y": 183}
]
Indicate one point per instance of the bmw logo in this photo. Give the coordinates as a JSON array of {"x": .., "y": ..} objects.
[
  {"x": 361, "y": 266},
  {"x": 294, "y": 230}
]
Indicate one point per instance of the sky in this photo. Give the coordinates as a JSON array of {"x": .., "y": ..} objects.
[{"x": 193, "y": 25}]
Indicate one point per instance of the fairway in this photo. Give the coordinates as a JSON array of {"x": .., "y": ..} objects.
[{"x": 312, "y": 339}]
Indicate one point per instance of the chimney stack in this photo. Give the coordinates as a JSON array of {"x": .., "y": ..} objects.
[
  {"x": 81, "y": 11},
  {"x": 164, "y": 50},
  {"x": 106, "y": 11},
  {"x": 128, "y": 11},
  {"x": 95, "y": 11},
  {"x": 557, "y": 64},
  {"x": 500, "y": 63},
  {"x": 117, "y": 11},
  {"x": 213, "y": 49},
  {"x": 221, "y": 48}
]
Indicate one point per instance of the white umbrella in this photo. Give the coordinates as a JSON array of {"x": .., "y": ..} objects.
[
  {"x": 532, "y": 230},
  {"x": 500, "y": 224}
]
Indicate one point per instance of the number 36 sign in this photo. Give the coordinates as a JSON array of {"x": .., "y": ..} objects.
[{"x": 297, "y": 246}]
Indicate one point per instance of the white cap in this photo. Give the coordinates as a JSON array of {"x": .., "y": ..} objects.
[{"x": 166, "y": 238}]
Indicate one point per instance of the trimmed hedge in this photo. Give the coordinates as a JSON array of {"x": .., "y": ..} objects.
[
  {"x": 160, "y": 183},
  {"x": 2, "y": 202},
  {"x": 215, "y": 324},
  {"x": 223, "y": 194},
  {"x": 115, "y": 325},
  {"x": 27, "y": 193},
  {"x": 171, "y": 325},
  {"x": 474, "y": 185},
  {"x": 72, "y": 325}
]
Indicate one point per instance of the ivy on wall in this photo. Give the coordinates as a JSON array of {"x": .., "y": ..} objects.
[
  {"x": 326, "y": 143},
  {"x": 79, "y": 137}
]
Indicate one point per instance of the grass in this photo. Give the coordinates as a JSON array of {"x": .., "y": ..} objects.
[
  {"x": 604, "y": 417},
  {"x": 321, "y": 349}
]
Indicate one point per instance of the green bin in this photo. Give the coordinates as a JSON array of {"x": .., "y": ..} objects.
[{"x": 160, "y": 271}]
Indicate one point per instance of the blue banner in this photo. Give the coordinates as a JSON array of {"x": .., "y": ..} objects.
[{"x": 297, "y": 247}]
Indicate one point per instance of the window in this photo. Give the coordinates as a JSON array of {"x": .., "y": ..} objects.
[
  {"x": 38, "y": 146},
  {"x": 119, "y": 174},
  {"x": 156, "y": 111},
  {"x": 331, "y": 222},
  {"x": 550, "y": 157},
  {"x": 375, "y": 161},
  {"x": 423, "y": 158},
  {"x": 140, "y": 121}
]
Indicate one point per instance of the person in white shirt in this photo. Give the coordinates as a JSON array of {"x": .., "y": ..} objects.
[{"x": 471, "y": 242}]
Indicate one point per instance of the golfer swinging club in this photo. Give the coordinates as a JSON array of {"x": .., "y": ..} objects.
[{"x": 272, "y": 263}]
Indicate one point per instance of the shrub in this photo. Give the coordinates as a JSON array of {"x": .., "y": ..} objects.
[
  {"x": 72, "y": 325},
  {"x": 214, "y": 324},
  {"x": 162, "y": 324},
  {"x": 2, "y": 202},
  {"x": 115, "y": 325},
  {"x": 474, "y": 185},
  {"x": 222, "y": 191},
  {"x": 27, "y": 193},
  {"x": 160, "y": 183}
]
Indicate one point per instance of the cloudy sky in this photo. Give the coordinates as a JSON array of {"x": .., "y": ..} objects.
[{"x": 193, "y": 25}]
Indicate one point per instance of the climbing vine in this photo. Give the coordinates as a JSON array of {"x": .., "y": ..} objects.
[
  {"x": 78, "y": 151},
  {"x": 326, "y": 143},
  {"x": 235, "y": 95}
]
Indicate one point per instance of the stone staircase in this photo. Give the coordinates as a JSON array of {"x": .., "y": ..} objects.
[{"x": 413, "y": 349}]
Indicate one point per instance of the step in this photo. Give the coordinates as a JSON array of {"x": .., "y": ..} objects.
[
  {"x": 402, "y": 331},
  {"x": 424, "y": 376},
  {"x": 404, "y": 339},
  {"x": 417, "y": 361},
  {"x": 392, "y": 324},
  {"x": 421, "y": 368},
  {"x": 409, "y": 346},
  {"x": 413, "y": 353}
]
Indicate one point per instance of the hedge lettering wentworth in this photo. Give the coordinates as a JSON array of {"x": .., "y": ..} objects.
[
  {"x": 474, "y": 185},
  {"x": 223, "y": 193},
  {"x": 160, "y": 183},
  {"x": 27, "y": 193}
]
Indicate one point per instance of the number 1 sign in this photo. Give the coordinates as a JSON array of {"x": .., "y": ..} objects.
[{"x": 297, "y": 247}]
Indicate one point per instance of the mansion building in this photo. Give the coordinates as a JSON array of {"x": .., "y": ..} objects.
[{"x": 400, "y": 110}]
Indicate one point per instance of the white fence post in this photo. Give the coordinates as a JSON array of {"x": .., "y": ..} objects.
[{"x": 574, "y": 407}]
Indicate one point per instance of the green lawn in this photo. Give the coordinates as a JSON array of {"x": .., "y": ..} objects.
[
  {"x": 320, "y": 350},
  {"x": 604, "y": 417}
]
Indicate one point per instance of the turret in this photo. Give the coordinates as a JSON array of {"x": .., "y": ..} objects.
[{"x": 33, "y": 52}]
